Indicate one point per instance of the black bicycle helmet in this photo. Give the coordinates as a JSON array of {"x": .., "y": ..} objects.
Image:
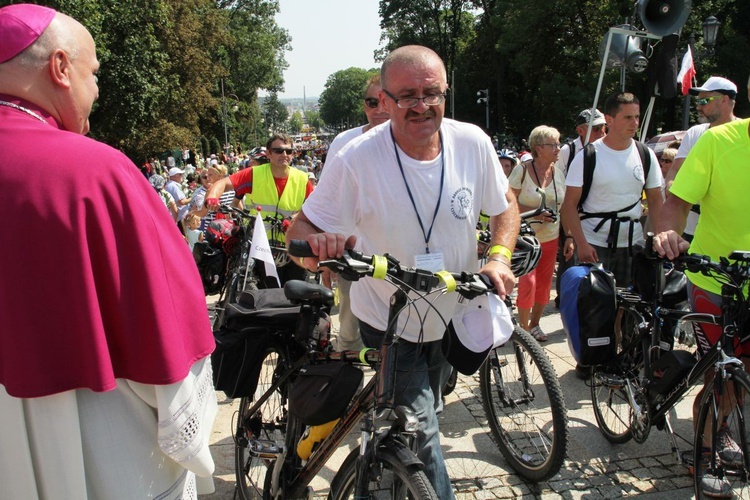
[{"x": 526, "y": 255}]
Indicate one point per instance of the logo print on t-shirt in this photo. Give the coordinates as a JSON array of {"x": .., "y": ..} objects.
[
  {"x": 638, "y": 172},
  {"x": 461, "y": 203}
]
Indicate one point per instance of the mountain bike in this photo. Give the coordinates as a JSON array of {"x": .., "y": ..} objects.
[
  {"x": 520, "y": 390},
  {"x": 638, "y": 389},
  {"x": 385, "y": 462}
]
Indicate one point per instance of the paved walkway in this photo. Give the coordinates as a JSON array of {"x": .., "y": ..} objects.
[{"x": 593, "y": 469}]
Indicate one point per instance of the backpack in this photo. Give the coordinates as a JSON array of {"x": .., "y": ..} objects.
[
  {"x": 588, "y": 308},
  {"x": 572, "y": 148},
  {"x": 589, "y": 163}
]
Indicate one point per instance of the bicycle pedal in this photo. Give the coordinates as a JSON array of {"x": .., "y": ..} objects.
[
  {"x": 263, "y": 448},
  {"x": 610, "y": 380}
]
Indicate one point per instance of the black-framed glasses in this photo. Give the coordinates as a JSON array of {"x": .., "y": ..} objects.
[
  {"x": 411, "y": 102},
  {"x": 706, "y": 100},
  {"x": 372, "y": 102},
  {"x": 278, "y": 151},
  {"x": 553, "y": 145},
  {"x": 665, "y": 160}
]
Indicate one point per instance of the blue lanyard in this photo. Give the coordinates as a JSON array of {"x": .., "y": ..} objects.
[{"x": 428, "y": 233}]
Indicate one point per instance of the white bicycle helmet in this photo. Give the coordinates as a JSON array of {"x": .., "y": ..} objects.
[{"x": 526, "y": 255}]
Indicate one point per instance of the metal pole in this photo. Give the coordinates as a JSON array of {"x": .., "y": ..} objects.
[
  {"x": 224, "y": 113},
  {"x": 453, "y": 94},
  {"x": 599, "y": 84},
  {"x": 487, "y": 118}
]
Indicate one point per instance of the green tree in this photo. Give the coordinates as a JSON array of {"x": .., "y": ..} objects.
[
  {"x": 275, "y": 112},
  {"x": 341, "y": 100},
  {"x": 295, "y": 123},
  {"x": 313, "y": 119}
]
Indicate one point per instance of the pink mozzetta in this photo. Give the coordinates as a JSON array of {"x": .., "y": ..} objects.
[
  {"x": 97, "y": 282},
  {"x": 20, "y": 26}
]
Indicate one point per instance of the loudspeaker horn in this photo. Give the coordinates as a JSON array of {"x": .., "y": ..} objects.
[
  {"x": 625, "y": 51},
  {"x": 664, "y": 17}
]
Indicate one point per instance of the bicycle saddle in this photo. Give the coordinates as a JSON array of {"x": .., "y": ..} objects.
[{"x": 301, "y": 291}]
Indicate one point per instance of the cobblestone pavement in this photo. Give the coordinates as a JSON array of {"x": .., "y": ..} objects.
[{"x": 594, "y": 468}]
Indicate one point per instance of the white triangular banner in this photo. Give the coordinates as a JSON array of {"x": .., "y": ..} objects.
[{"x": 261, "y": 250}]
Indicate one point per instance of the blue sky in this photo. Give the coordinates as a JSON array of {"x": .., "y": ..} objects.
[{"x": 327, "y": 36}]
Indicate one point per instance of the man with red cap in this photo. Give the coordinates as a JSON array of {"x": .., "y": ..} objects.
[{"x": 105, "y": 380}]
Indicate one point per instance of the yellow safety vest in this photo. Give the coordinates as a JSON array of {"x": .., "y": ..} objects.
[{"x": 266, "y": 196}]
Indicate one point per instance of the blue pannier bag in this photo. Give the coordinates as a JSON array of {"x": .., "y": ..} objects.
[{"x": 588, "y": 306}]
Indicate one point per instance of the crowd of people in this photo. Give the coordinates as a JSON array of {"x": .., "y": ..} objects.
[{"x": 129, "y": 358}]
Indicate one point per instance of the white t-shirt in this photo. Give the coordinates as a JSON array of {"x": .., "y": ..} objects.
[
  {"x": 564, "y": 156},
  {"x": 365, "y": 194},
  {"x": 342, "y": 140},
  {"x": 617, "y": 183},
  {"x": 688, "y": 141}
]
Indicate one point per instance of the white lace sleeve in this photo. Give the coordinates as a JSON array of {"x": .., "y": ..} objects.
[{"x": 186, "y": 412}]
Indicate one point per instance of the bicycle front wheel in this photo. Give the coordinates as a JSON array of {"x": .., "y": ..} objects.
[
  {"x": 259, "y": 434},
  {"x": 724, "y": 470},
  {"x": 396, "y": 480},
  {"x": 525, "y": 407},
  {"x": 612, "y": 409}
]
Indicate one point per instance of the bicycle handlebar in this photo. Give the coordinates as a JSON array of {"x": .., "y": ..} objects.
[
  {"x": 542, "y": 209},
  {"x": 737, "y": 273},
  {"x": 355, "y": 265}
]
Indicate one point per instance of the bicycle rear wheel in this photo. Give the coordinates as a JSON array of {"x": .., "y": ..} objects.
[
  {"x": 396, "y": 481},
  {"x": 525, "y": 407},
  {"x": 260, "y": 434},
  {"x": 725, "y": 471}
]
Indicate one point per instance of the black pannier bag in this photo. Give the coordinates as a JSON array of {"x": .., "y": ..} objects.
[
  {"x": 211, "y": 264},
  {"x": 246, "y": 339},
  {"x": 238, "y": 359},
  {"x": 588, "y": 307},
  {"x": 321, "y": 393}
]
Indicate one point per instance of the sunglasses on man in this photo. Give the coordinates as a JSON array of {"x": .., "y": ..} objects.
[{"x": 278, "y": 151}]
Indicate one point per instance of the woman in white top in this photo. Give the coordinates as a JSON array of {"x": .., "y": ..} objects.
[{"x": 540, "y": 172}]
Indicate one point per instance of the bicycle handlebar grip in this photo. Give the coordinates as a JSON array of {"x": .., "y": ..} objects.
[{"x": 300, "y": 248}]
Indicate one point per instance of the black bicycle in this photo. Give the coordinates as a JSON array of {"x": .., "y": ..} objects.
[
  {"x": 520, "y": 389},
  {"x": 638, "y": 388},
  {"x": 385, "y": 463}
]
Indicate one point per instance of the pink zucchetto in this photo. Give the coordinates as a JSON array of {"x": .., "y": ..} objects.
[{"x": 20, "y": 26}]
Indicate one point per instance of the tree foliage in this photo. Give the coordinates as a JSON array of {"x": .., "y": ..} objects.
[
  {"x": 341, "y": 100},
  {"x": 275, "y": 112},
  {"x": 539, "y": 58},
  {"x": 162, "y": 62}
]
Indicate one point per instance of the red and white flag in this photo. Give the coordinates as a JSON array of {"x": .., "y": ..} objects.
[{"x": 687, "y": 72}]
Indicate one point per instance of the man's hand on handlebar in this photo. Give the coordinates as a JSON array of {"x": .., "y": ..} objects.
[
  {"x": 670, "y": 244},
  {"x": 326, "y": 246},
  {"x": 500, "y": 275}
]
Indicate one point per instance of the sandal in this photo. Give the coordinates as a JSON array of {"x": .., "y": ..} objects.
[{"x": 538, "y": 334}]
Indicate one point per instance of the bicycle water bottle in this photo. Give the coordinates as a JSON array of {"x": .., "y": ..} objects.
[{"x": 313, "y": 436}]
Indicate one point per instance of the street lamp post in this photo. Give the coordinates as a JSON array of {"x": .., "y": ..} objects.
[
  {"x": 224, "y": 113},
  {"x": 710, "y": 33},
  {"x": 484, "y": 97}
]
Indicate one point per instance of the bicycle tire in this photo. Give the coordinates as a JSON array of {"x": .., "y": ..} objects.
[
  {"x": 732, "y": 468},
  {"x": 412, "y": 482},
  {"x": 609, "y": 399},
  {"x": 529, "y": 427},
  {"x": 267, "y": 426}
]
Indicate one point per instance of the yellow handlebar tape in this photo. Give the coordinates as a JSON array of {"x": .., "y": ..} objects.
[
  {"x": 363, "y": 354},
  {"x": 450, "y": 282},
  {"x": 380, "y": 265},
  {"x": 502, "y": 250}
]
